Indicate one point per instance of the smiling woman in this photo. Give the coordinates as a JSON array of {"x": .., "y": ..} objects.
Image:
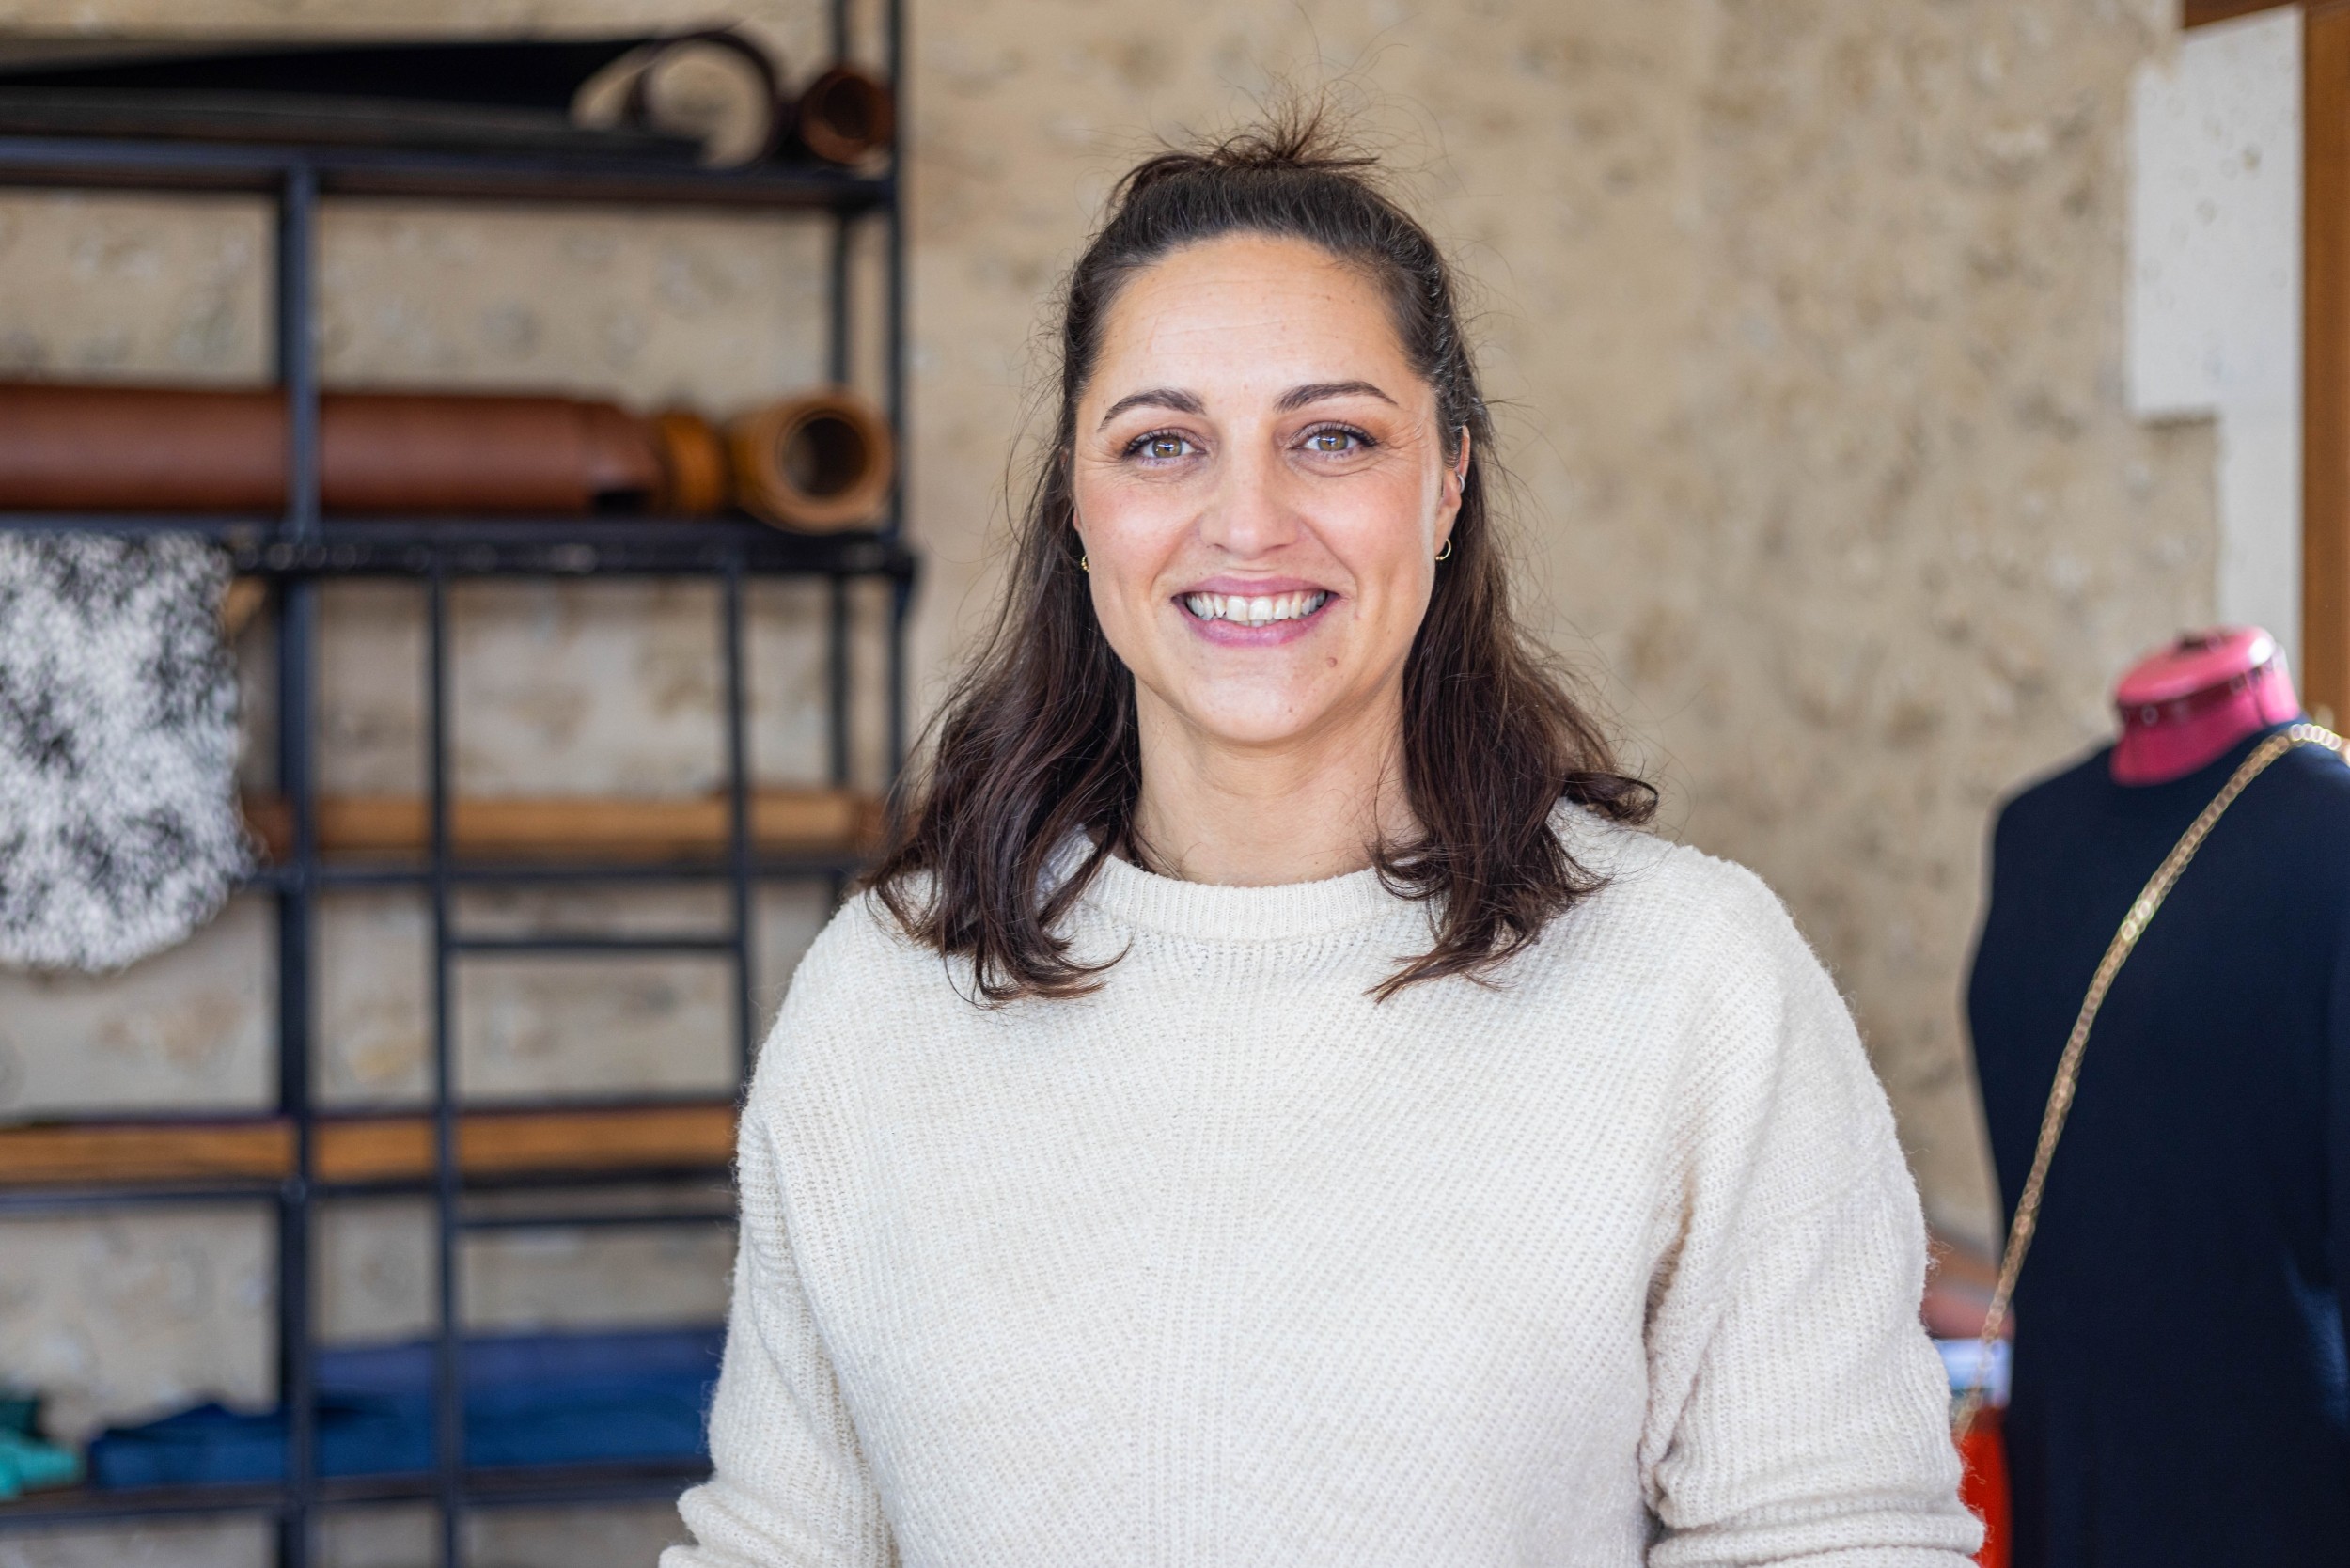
[
  {"x": 1261, "y": 537},
  {"x": 1231, "y": 651},
  {"x": 1272, "y": 1104}
]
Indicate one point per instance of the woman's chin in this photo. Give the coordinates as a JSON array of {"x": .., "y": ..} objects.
[{"x": 1257, "y": 720}]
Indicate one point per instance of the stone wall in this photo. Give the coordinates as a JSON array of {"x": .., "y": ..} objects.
[
  {"x": 1806, "y": 322},
  {"x": 1805, "y": 319},
  {"x": 1924, "y": 533}
]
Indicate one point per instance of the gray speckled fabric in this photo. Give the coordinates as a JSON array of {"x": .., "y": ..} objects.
[{"x": 118, "y": 827}]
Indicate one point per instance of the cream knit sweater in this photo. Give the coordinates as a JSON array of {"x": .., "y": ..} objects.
[{"x": 1613, "y": 1262}]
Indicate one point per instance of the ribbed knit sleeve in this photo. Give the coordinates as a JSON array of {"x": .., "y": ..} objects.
[
  {"x": 790, "y": 1489},
  {"x": 1797, "y": 1414}
]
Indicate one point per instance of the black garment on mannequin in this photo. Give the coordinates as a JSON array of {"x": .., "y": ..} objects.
[{"x": 2180, "y": 1394}]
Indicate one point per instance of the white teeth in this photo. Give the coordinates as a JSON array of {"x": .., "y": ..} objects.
[{"x": 1258, "y": 610}]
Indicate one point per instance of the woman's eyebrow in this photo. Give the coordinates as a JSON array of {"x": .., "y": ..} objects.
[
  {"x": 1313, "y": 392},
  {"x": 1158, "y": 397},
  {"x": 1292, "y": 399}
]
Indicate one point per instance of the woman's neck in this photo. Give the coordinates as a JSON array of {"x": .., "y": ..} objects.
[{"x": 1264, "y": 816}]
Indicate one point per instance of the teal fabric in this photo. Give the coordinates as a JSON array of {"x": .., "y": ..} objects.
[{"x": 26, "y": 1463}]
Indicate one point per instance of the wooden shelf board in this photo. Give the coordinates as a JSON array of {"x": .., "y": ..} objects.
[
  {"x": 783, "y": 822},
  {"x": 365, "y": 1149},
  {"x": 139, "y": 1153}
]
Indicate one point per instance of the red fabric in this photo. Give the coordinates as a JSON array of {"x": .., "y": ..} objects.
[{"x": 1984, "y": 1487}]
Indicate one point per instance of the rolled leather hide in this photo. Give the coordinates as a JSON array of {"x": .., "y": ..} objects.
[
  {"x": 716, "y": 88},
  {"x": 818, "y": 463},
  {"x": 693, "y": 463},
  {"x": 844, "y": 115},
  {"x": 104, "y": 448},
  {"x": 390, "y": 452}
]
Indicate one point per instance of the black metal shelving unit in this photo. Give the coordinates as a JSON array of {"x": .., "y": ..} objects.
[{"x": 299, "y": 551}]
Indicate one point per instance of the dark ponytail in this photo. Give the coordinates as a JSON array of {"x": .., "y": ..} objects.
[{"x": 1037, "y": 743}]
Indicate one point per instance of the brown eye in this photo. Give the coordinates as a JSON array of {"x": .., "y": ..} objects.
[
  {"x": 1166, "y": 447},
  {"x": 1331, "y": 441}
]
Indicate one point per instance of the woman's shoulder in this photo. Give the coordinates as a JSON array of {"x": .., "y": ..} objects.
[
  {"x": 1696, "y": 938},
  {"x": 1675, "y": 895},
  {"x": 864, "y": 948},
  {"x": 862, "y": 970},
  {"x": 1705, "y": 943}
]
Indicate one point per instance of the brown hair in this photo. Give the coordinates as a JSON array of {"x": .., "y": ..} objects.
[{"x": 1037, "y": 742}]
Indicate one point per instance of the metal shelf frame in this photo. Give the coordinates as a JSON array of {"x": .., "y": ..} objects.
[{"x": 300, "y": 550}]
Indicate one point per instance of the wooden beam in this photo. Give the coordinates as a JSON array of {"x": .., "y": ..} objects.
[
  {"x": 361, "y": 1149},
  {"x": 2325, "y": 363},
  {"x": 783, "y": 822},
  {"x": 2201, "y": 14},
  {"x": 134, "y": 1152},
  {"x": 515, "y": 1143}
]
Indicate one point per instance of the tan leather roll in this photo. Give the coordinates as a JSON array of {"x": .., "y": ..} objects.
[
  {"x": 693, "y": 463},
  {"x": 846, "y": 113},
  {"x": 718, "y": 88},
  {"x": 90, "y": 449},
  {"x": 817, "y": 462}
]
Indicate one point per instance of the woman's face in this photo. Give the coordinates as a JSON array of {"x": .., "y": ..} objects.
[{"x": 1262, "y": 491}]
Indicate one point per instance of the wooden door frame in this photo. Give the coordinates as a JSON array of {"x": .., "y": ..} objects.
[
  {"x": 2325, "y": 340},
  {"x": 2326, "y": 360},
  {"x": 2202, "y": 14}
]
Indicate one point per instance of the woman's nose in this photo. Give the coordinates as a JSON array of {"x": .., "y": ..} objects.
[{"x": 1249, "y": 515}]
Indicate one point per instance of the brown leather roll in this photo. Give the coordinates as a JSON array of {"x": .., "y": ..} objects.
[
  {"x": 393, "y": 452},
  {"x": 819, "y": 463},
  {"x": 88, "y": 448},
  {"x": 79, "y": 449},
  {"x": 846, "y": 113},
  {"x": 622, "y": 459}
]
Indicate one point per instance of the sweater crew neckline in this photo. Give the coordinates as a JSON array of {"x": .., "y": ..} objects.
[{"x": 1211, "y": 912}]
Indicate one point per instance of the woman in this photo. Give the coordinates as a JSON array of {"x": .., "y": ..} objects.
[{"x": 1273, "y": 1107}]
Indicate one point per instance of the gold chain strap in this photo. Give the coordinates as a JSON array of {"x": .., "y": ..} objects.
[{"x": 2068, "y": 1070}]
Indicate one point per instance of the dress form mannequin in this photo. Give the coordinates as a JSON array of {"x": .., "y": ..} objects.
[
  {"x": 2180, "y": 1389},
  {"x": 2184, "y": 706}
]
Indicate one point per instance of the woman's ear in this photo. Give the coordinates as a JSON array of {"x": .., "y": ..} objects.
[
  {"x": 1456, "y": 478},
  {"x": 1455, "y": 488}
]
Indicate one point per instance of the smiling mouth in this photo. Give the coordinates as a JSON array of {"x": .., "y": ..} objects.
[{"x": 1262, "y": 609}]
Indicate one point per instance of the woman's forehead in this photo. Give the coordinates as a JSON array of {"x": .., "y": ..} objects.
[{"x": 1252, "y": 309}]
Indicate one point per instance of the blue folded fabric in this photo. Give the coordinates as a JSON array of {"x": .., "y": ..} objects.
[{"x": 530, "y": 1399}]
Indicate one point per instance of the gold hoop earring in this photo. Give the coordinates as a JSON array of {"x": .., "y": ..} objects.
[
  {"x": 1081, "y": 562},
  {"x": 1446, "y": 554}
]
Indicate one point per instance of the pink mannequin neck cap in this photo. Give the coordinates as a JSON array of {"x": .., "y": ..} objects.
[{"x": 2184, "y": 706}]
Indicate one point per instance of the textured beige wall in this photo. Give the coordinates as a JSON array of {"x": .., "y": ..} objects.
[
  {"x": 1920, "y": 533},
  {"x": 1804, "y": 319}
]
